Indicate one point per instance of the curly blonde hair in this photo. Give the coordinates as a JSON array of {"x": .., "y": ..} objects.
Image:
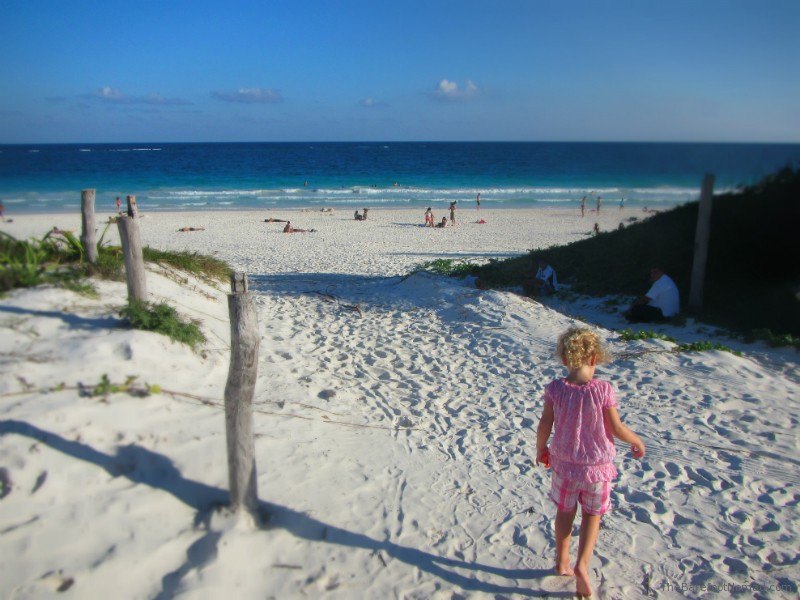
[{"x": 578, "y": 345}]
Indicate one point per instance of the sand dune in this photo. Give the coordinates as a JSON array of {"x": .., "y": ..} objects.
[{"x": 394, "y": 445}]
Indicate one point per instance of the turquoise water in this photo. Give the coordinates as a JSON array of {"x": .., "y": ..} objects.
[{"x": 41, "y": 178}]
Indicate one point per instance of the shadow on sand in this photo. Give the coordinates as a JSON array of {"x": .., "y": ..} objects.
[{"x": 141, "y": 466}]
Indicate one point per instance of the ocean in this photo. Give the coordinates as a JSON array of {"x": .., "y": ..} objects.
[{"x": 233, "y": 176}]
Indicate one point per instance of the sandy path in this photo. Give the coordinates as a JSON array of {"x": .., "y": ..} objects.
[{"x": 394, "y": 447}]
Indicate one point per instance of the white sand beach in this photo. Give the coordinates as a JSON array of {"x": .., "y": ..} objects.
[{"x": 395, "y": 445}]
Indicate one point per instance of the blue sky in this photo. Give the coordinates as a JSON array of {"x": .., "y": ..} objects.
[{"x": 639, "y": 70}]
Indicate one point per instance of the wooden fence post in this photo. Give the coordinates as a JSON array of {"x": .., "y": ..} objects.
[
  {"x": 133, "y": 211},
  {"x": 87, "y": 218},
  {"x": 132, "y": 252},
  {"x": 239, "y": 391},
  {"x": 701, "y": 244}
]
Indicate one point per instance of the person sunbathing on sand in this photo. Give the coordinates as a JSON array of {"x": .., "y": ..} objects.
[
  {"x": 192, "y": 229},
  {"x": 581, "y": 455},
  {"x": 290, "y": 229}
]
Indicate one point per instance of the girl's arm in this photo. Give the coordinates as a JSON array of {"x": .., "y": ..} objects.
[
  {"x": 543, "y": 434},
  {"x": 621, "y": 432}
]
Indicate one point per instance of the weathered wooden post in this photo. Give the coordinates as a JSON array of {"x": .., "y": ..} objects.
[
  {"x": 133, "y": 211},
  {"x": 239, "y": 391},
  {"x": 701, "y": 244},
  {"x": 87, "y": 218},
  {"x": 132, "y": 252}
]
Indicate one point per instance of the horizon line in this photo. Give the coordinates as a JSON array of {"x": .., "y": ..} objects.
[{"x": 795, "y": 143}]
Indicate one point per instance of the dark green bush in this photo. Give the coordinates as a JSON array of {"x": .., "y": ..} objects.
[{"x": 163, "y": 319}]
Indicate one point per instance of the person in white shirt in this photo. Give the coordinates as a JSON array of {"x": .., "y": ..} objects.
[
  {"x": 661, "y": 302},
  {"x": 543, "y": 283}
]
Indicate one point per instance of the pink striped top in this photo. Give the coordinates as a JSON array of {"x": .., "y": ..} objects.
[{"x": 582, "y": 448}]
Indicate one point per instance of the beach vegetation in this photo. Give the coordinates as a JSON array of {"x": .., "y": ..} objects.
[
  {"x": 629, "y": 335},
  {"x": 705, "y": 346},
  {"x": 106, "y": 386},
  {"x": 59, "y": 258},
  {"x": 201, "y": 265},
  {"x": 752, "y": 271},
  {"x": 448, "y": 266},
  {"x": 164, "y": 319},
  {"x": 773, "y": 339}
]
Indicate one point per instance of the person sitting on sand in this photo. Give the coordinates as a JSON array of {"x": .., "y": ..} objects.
[
  {"x": 581, "y": 411},
  {"x": 357, "y": 216},
  {"x": 290, "y": 229},
  {"x": 365, "y": 214},
  {"x": 543, "y": 283},
  {"x": 429, "y": 217},
  {"x": 660, "y": 303},
  {"x": 443, "y": 223}
]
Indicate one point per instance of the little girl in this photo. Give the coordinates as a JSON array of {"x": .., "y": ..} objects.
[{"x": 584, "y": 412}]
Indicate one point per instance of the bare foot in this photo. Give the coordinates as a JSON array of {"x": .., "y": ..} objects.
[
  {"x": 582, "y": 583},
  {"x": 564, "y": 569}
]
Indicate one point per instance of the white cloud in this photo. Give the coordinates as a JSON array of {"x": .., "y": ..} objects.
[
  {"x": 250, "y": 96},
  {"x": 115, "y": 96},
  {"x": 370, "y": 102},
  {"x": 449, "y": 90}
]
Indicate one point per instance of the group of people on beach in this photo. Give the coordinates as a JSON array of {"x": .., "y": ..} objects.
[{"x": 430, "y": 221}]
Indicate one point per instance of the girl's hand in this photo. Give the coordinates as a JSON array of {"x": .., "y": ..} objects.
[
  {"x": 638, "y": 449},
  {"x": 544, "y": 458}
]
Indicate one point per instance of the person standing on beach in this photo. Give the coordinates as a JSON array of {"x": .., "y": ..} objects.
[
  {"x": 453, "y": 212},
  {"x": 583, "y": 206},
  {"x": 599, "y": 202},
  {"x": 429, "y": 217},
  {"x": 478, "y": 200},
  {"x": 583, "y": 412},
  {"x": 118, "y": 202},
  {"x": 621, "y": 203}
]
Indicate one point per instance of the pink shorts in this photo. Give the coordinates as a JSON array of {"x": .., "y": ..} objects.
[{"x": 595, "y": 498}]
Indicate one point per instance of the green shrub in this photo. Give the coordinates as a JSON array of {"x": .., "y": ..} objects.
[
  {"x": 22, "y": 263},
  {"x": 448, "y": 266},
  {"x": 753, "y": 267},
  {"x": 703, "y": 346},
  {"x": 163, "y": 319},
  {"x": 628, "y": 335}
]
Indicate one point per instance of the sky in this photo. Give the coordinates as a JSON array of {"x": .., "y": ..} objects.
[{"x": 511, "y": 70}]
